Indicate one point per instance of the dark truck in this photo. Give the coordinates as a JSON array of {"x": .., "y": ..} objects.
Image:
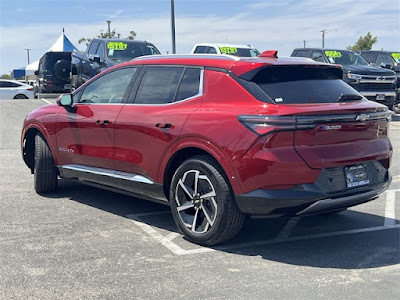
[
  {"x": 53, "y": 73},
  {"x": 104, "y": 53},
  {"x": 388, "y": 60},
  {"x": 372, "y": 82}
]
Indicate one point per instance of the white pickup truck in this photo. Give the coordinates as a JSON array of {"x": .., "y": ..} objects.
[{"x": 230, "y": 49}]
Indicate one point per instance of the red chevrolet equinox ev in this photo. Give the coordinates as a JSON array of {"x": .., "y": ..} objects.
[{"x": 216, "y": 138}]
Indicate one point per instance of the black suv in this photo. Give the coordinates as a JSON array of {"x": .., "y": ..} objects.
[
  {"x": 53, "y": 73},
  {"x": 374, "y": 83}
]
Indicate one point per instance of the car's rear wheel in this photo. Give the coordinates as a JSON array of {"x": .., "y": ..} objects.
[
  {"x": 45, "y": 173},
  {"x": 20, "y": 96},
  {"x": 202, "y": 202}
]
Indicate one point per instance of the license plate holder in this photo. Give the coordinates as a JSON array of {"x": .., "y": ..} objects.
[
  {"x": 356, "y": 176},
  {"x": 380, "y": 97}
]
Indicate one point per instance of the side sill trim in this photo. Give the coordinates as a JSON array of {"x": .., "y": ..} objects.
[{"x": 109, "y": 173}]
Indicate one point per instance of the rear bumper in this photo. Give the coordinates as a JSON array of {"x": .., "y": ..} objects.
[{"x": 306, "y": 199}]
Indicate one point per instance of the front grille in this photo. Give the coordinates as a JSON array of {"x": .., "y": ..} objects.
[
  {"x": 332, "y": 180},
  {"x": 376, "y": 86}
]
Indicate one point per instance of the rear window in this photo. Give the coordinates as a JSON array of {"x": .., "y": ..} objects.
[
  {"x": 52, "y": 57},
  {"x": 302, "y": 84}
]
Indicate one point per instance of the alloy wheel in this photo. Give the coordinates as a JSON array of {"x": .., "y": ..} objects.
[{"x": 195, "y": 199}]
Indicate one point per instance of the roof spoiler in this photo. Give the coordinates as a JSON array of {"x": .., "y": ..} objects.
[{"x": 269, "y": 53}]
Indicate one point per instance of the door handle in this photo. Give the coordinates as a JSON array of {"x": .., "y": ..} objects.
[
  {"x": 163, "y": 125},
  {"x": 102, "y": 122}
]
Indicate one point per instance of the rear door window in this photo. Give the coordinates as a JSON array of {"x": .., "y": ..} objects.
[
  {"x": 159, "y": 85},
  {"x": 303, "y": 84},
  {"x": 201, "y": 49}
]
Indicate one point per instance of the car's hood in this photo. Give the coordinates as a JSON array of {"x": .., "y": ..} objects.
[{"x": 367, "y": 70}]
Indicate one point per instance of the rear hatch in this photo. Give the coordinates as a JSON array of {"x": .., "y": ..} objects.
[{"x": 334, "y": 125}]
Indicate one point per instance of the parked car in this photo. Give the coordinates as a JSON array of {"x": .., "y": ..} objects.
[
  {"x": 372, "y": 82},
  {"x": 231, "y": 49},
  {"x": 387, "y": 60},
  {"x": 53, "y": 73},
  {"x": 217, "y": 138},
  {"x": 104, "y": 53},
  {"x": 13, "y": 89}
]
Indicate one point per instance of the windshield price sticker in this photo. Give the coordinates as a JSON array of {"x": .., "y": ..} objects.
[
  {"x": 333, "y": 54},
  {"x": 116, "y": 46},
  {"x": 228, "y": 50},
  {"x": 396, "y": 55}
]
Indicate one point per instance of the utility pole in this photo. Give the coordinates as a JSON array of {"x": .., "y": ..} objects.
[
  {"x": 325, "y": 31},
  {"x": 304, "y": 43},
  {"x": 27, "y": 51},
  {"x": 173, "y": 27},
  {"x": 109, "y": 31}
]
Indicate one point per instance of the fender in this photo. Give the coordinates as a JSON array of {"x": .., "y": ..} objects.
[{"x": 214, "y": 151}]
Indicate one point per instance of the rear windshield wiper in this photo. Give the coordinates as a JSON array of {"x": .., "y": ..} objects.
[{"x": 349, "y": 97}]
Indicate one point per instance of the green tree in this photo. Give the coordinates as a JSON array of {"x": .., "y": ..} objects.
[
  {"x": 364, "y": 43},
  {"x": 6, "y": 76},
  {"x": 104, "y": 34}
]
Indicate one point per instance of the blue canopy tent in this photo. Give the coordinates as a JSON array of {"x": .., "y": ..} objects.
[{"x": 63, "y": 44}]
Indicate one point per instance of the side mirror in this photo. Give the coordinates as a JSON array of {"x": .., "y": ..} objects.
[
  {"x": 65, "y": 100},
  {"x": 95, "y": 58},
  {"x": 386, "y": 66},
  {"x": 36, "y": 73}
]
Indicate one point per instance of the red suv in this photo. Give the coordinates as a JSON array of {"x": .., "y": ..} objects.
[{"x": 217, "y": 138}]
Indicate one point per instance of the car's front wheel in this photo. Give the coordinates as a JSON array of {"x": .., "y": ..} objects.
[
  {"x": 202, "y": 202},
  {"x": 20, "y": 96},
  {"x": 45, "y": 173}
]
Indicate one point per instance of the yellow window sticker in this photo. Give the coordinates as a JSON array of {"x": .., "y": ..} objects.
[
  {"x": 333, "y": 54},
  {"x": 228, "y": 50},
  {"x": 116, "y": 46},
  {"x": 396, "y": 55}
]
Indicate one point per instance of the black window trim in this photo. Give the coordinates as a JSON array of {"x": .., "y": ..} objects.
[
  {"x": 132, "y": 96},
  {"x": 127, "y": 91}
]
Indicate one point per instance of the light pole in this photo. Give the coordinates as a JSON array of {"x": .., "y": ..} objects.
[
  {"x": 27, "y": 51},
  {"x": 325, "y": 31},
  {"x": 173, "y": 27},
  {"x": 109, "y": 32},
  {"x": 304, "y": 43}
]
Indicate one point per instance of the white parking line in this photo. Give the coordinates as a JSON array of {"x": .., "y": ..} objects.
[
  {"x": 46, "y": 101},
  {"x": 390, "y": 220},
  {"x": 282, "y": 237},
  {"x": 396, "y": 178}
]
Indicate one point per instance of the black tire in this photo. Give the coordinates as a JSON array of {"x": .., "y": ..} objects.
[
  {"x": 45, "y": 173},
  {"x": 20, "y": 96},
  {"x": 218, "y": 218},
  {"x": 76, "y": 82}
]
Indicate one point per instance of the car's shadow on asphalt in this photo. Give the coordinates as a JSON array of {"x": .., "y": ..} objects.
[
  {"x": 396, "y": 117},
  {"x": 324, "y": 241}
]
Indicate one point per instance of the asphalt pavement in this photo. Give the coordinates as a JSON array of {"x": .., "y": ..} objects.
[{"x": 86, "y": 243}]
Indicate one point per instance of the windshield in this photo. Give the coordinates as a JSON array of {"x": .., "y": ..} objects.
[
  {"x": 343, "y": 57},
  {"x": 243, "y": 52},
  {"x": 122, "y": 51},
  {"x": 396, "y": 57},
  {"x": 303, "y": 84}
]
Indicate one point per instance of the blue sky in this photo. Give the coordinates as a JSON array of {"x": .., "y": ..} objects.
[{"x": 279, "y": 24}]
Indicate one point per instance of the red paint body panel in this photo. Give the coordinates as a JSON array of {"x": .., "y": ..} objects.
[{"x": 81, "y": 140}]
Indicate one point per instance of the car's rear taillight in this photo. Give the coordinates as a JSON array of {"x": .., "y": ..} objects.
[
  {"x": 30, "y": 89},
  {"x": 262, "y": 124}
]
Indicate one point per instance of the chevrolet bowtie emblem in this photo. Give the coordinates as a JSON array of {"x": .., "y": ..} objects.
[{"x": 362, "y": 117}]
